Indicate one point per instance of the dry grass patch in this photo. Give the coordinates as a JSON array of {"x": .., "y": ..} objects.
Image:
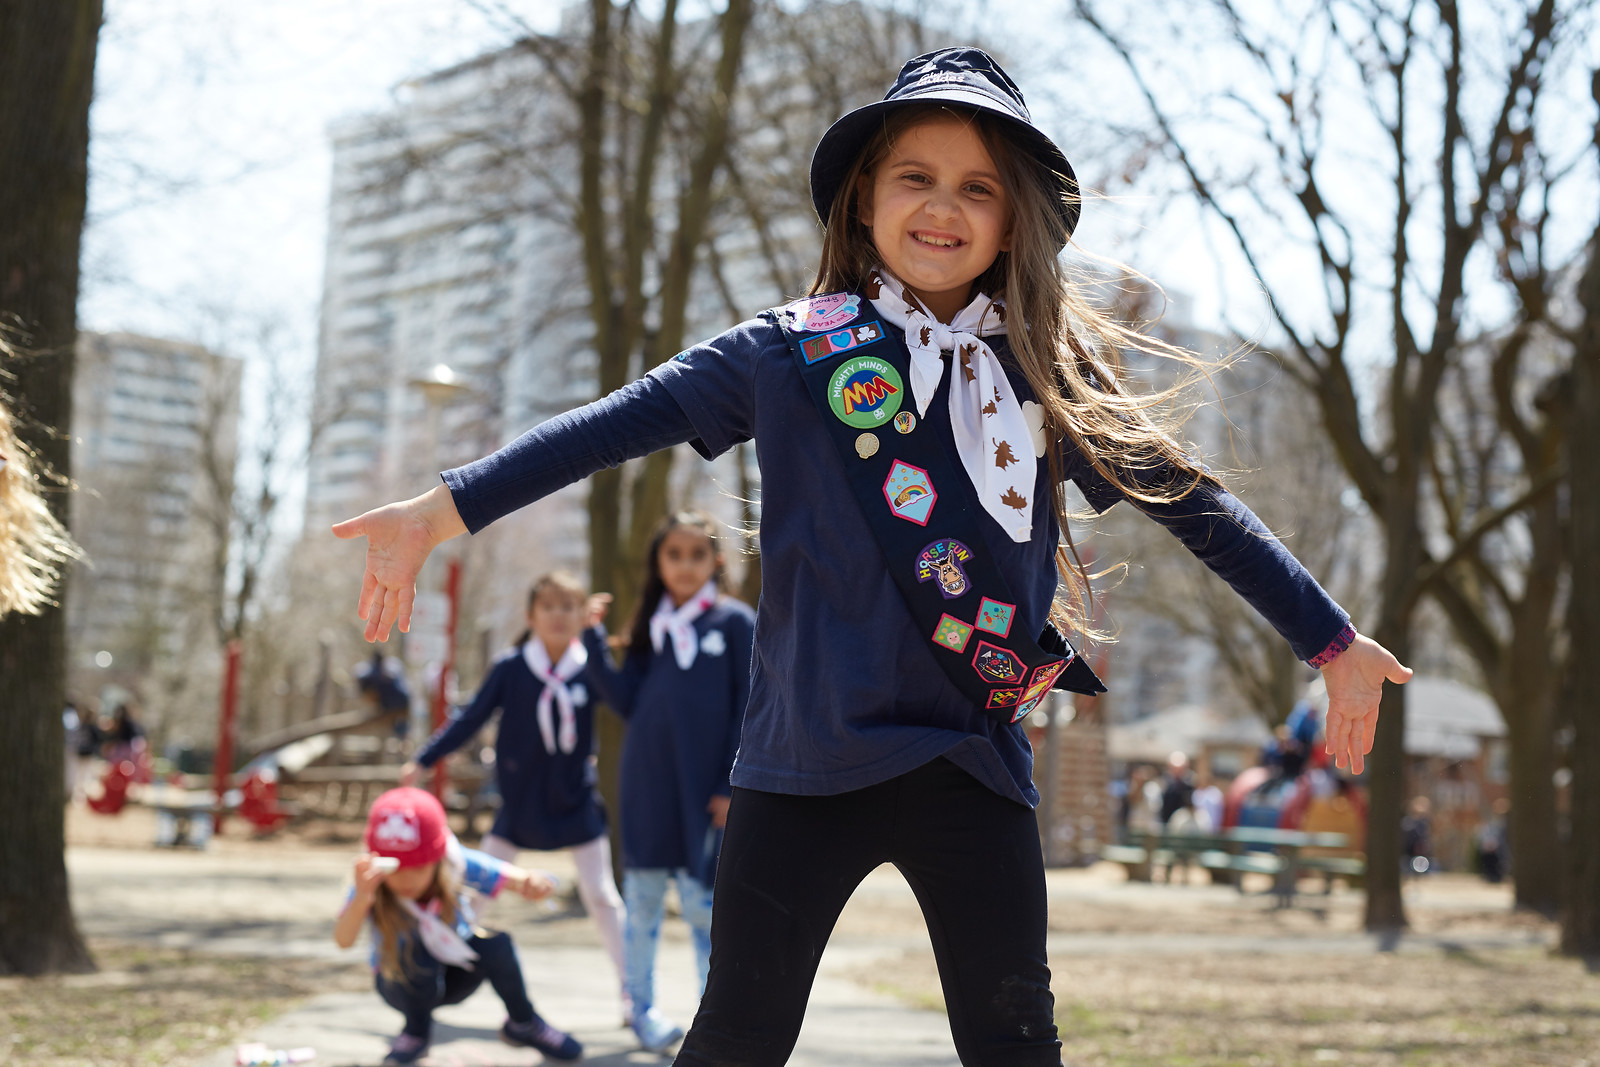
[
  {"x": 150, "y": 1006},
  {"x": 1502, "y": 1008}
]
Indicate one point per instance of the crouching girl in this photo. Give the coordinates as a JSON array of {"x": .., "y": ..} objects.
[{"x": 409, "y": 889}]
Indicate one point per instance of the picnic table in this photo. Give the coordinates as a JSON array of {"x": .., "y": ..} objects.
[{"x": 1282, "y": 855}]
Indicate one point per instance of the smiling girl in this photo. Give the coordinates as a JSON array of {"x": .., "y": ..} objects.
[{"x": 911, "y": 418}]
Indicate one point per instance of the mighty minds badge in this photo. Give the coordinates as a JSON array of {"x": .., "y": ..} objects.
[{"x": 865, "y": 392}]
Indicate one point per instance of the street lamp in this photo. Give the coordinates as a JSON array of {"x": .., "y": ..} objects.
[{"x": 441, "y": 386}]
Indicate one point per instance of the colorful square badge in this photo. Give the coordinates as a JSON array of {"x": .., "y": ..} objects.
[
  {"x": 910, "y": 492},
  {"x": 952, "y": 633},
  {"x": 996, "y": 664},
  {"x": 995, "y": 616},
  {"x": 827, "y": 345},
  {"x": 1004, "y": 698}
]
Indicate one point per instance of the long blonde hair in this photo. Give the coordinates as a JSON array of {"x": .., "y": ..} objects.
[
  {"x": 393, "y": 922},
  {"x": 34, "y": 546},
  {"x": 1069, "y": 350}
]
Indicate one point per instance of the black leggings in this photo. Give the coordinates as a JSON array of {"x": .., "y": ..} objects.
[
  {"x": 788, "y": 865},
  {"x": 430, "y": 984}
]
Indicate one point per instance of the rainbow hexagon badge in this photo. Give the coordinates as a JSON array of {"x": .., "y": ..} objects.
[
  {"x": 910, "y": 492},
  {"x": 865, "y": 392}
]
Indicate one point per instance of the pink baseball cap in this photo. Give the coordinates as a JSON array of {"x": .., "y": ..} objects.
[{"x": 409, "y": 825}]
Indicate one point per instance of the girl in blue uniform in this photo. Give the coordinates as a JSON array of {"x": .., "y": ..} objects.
[
  {"x": 682, "y": 687},
  {"x": 544, "y": 751},
  {"x": 945, "y": 212}
]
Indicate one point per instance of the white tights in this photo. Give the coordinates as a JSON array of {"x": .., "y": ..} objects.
[{"x": 596, "y": 888}]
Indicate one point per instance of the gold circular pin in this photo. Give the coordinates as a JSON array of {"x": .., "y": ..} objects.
[
  {"x": 905, "y": 422},
  {"x": 867, "y": 445}
]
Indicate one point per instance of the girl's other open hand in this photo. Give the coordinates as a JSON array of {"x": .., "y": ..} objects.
[
  {"x": 1355, "y": 686},
  {"x": 399, "y": 538},
  {"x": 532, "y": 885},
  {"x": 595, "y": 610}
]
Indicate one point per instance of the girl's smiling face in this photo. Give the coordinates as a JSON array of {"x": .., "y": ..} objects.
[
  {"x": 686, "y": 561},
  {"x": 937, "y": 211}
]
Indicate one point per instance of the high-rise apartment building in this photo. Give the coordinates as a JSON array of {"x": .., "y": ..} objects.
[{"x": 155, "y": 427}]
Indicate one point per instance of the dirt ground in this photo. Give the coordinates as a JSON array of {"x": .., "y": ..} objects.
[
  {"x": 1144, "y": 975},
  {"x": 1510, "y": 1008}
]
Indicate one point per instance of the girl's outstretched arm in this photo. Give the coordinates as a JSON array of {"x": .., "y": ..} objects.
[
  {"x": 632, "y": 422},
  {"x": 399, "y": 538},
  {"x": 1355, "y": 680}
]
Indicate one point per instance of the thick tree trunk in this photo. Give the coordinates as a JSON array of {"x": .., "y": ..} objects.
[
  {"x": 1536, "y": 861},
  {"x": 1580, "y": 921},
  {"x": 1386, "y": 784},
  {"x": 47, "y": 53}
]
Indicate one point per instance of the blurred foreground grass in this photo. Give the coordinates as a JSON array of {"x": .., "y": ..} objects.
[
  {"x": 1500, "y": 1008},
  {"x": 150, "y": 1005}
]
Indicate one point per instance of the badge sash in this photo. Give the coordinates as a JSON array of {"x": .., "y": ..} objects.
[{"x": 922, "y": 509}]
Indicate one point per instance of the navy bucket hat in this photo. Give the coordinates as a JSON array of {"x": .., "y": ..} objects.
[{"x": 960, "y": 77}]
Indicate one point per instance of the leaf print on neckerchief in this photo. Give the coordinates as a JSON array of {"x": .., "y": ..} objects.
[{"x": 992, "y": 437}]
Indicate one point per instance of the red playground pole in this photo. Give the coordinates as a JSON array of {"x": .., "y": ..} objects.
[
  {"x": 226, "y": 722},
  {"x": 447, "y": 667}
]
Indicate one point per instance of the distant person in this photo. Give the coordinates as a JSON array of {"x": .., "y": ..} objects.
[
  {"x": 425, "y": 950},
  {"x": 544, "y": 751},
  {"x": 123, "y": 736},
  {"x": 1176, "y": 788},
  {"x": 1493, "y": 852},
  {"x": 682, "y": 687},
  {"x": 1207, "y": 802},
  {"x": 381, "y": 680},
  {"x": 1416, "y": 836}
]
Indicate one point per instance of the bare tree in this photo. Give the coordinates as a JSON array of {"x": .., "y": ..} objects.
[
  {"x": 1394, "y": 265},
  {"x": 47, "y": 56},
  {"x": 1580, "y": 924}
]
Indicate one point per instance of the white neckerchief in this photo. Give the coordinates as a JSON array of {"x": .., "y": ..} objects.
[
  {"x": 993, "y": 438},
  {"x": 442, "y": 943},
  {"x": 556, "y": 693},
  {"x": 678, "y": 623}
]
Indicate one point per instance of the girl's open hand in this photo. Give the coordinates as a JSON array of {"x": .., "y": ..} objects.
[
  {"x": 410, "y": 773},
  {"x": 531, "y": 885},
  {"x": 399, "y": 538},
  {"x": 1355, "y": 686},
  {"x": 595, "y": 610}
]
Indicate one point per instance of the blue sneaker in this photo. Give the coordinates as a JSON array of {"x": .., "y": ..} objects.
[
  {"x": 655, "y": 1031},
  {"x": 555, "y": 1044},
  {"x": 407, "y": 1048}
]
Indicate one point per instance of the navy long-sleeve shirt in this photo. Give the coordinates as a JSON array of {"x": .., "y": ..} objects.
[
  {"x": 683, "y": 735},
  {"x": 547, "y": 799},
  {"x": 845, "y": 691}
]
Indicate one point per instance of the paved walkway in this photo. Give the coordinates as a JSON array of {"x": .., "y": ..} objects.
[
  {"x": 255, "y": 904},
  {"x": 280, "y": 901}
]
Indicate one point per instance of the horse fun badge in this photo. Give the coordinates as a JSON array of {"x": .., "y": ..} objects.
[
  {"x": 910, "y": 492},
  {"x": 865, "y": 392},
  {"x": 942, "y": 560}
]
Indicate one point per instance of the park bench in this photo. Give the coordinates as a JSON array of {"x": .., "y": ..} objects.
[{"x": 1238, "y": 851}]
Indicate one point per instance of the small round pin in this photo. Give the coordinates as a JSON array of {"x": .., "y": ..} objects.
[
  {"x": 867, "y": 445},
  {"x": 905, "y": 422}
]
